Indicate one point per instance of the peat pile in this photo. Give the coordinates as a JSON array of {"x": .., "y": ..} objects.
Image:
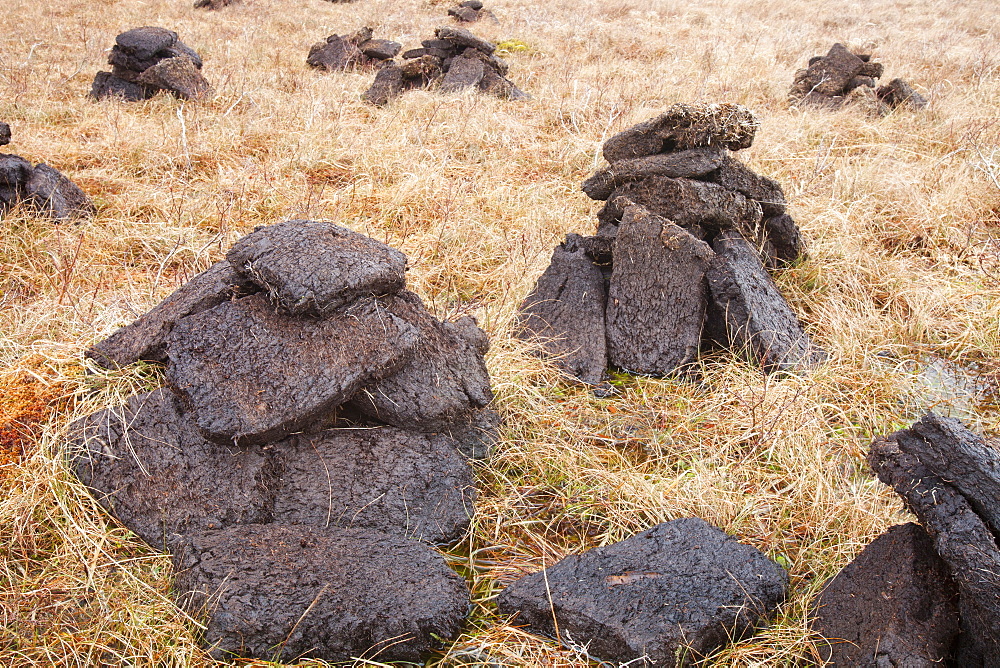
[
  {"x": 928, "y": 594},
  {"x": 145, "y": 61},
  {"x": 44, "y": 189},
  {"x": 343, "y": 52},
  {"x": 470, "y": 11},
  {"x": 453, "y": 61},
  {"x": 841, "y": 77},
  {"x": 213, "y": 4},
  {"x": 311, "y": 428},
  {"x": 681, "y": 589},
  {"x": 680, "y": 257}
]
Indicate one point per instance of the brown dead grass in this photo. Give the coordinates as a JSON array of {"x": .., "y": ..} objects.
[{"x": 901, "y": 214}]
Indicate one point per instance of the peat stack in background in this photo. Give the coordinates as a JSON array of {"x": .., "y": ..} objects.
[
  {"x": 671, "y": 594},
  {"x": 950, "y": 479},
  {"x": 680, "y": 256},
  {"x": 454, "y": 60},
  {"x": 145, "y": 61},
  {"x": 315, "y": 411},
  {"x": 214, "y": 4},
  {"x": 358, "y": 50},
  {"x": 4, "y": 134},
  {"x": 41, "y": 187},
  {"x": 470, "y": 11},
  {"x": 841, "y": 77}
]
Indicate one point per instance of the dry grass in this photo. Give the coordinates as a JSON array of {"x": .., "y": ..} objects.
[{"x": 902, "y": 214}]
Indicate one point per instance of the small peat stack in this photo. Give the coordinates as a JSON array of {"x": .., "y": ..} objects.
[
  {"x": 315, "y": 412},
  {"x": 665, "y": 597},
  {"x": 145, "y": 61},
  {"x": 214, "y": 4},
  {"x": 453, "y": 61},
  {"x": 357, "y": 50},
  {"x": 841, "y": 77},
  {"x": 470, "y": 11},
  {"x": 42, "y": 188},
  {"x": 910, "y": 599},
  {"x": 680, "y": 256}
]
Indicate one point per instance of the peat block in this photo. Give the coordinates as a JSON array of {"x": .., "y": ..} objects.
[
  {"x": 380, "y": 49},
  {"x": 696, "y": 206},
  {"x": 56, "y": 196},
  {"x": 734, "y": 175},
  {"x": 657, "y": 296},
  {"x": 961, "y": 538},
  {"x": 899, "y": 93},
  {"x": 383, "y": 479},
  {"x": 179, "y": 76},
  {"x": 334, "y": 54},
  {"x": 672, "y": 593},
  {"x": 288, "y": 592},
  {"x": 152, "y": 469},
  {"x": 107, "y": 85},
  {"x": 462, "y": 37},
  {"x": 784, "y": 240},
  {"x": 15, "y": 171},
  {"x": 565, "y": 313},
  {"x": 387, "y": 86},
  {"x": 757, "y": 318},
  {"x": 687, "y": 164},
  {"x": 144, "y": 339},
  {"x": 444, "y": 379},
  {"x": 252, "y": 375},
  {"x": 311, "y": 267},
  {"x": 145, "y": 42},
  {"x": 684, "y": 126},
  {"x": 463, "y": 73},
  {"x": 831, "y": 74},
  {"x": 894, "y": 605},
  {"x": 4, "y": 134}
]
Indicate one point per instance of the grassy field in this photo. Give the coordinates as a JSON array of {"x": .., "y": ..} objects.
[{"x": 901, "y": 213}]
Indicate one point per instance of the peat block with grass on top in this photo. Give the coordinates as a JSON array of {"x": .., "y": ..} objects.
[
  {"x": 942, "y": 487},
  {"x": 293, "y": 592},
  {"x": 251, "y": 375},
  {"x": 894, "y": 605},
  {"x": 671, "y": 594}
]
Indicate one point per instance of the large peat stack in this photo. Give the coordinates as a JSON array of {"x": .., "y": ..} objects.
[
  {"x": 145, "y": 61},
  {"x": 311, "y": 427},
  {"x": 454, "y": 60},
  {"x": 841, "y": 77},
  {"x": 680, "y": 256}
]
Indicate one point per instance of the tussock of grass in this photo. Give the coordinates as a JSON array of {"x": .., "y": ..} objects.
[{"x": 902, "y": 215}]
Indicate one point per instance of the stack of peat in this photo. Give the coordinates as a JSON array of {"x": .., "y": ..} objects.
[
  {"x": 679, "y": 257},
  {"x": 455, "y": 60},
  {"x": 665, "y": 597},
  {"x": 213, "y": 4},
  {"x": 928, "y": 594},
  {"x": 841, "y": 77},
  {"x": 145, "y": 61},
  {"x": 344, "y": 52},
  {"x": 311, "y": 434},
  {"x": 44, "y": 189},
  {"x": 469, "y": 11}
]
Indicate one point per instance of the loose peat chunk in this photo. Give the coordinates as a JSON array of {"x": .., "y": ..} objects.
[
  {"x": 445, "y": 378},
  {"x": 314, "y": 267},
  {"x": 152, "y": 470},
  {"x": 145, "y": 338},
  {"x": 657, "y": 297},
  {"x": 684, "y": 126},
  {"x": 564, "y": 313},
  {"x": 501, "y": 87},
  {"x": 4, "y": 134},
  {"x": 830, "y": 75},
  {"x": 757, "y": 318},
  {"x": 899, "y": 93},
  {"x": 284, "y": 593},
  {"x": 961, "y": 539},
  {"x": 380, "y": 49},
  {"x": 691, "y": 163},
  {"x": 673, "y": 594},
  {"x": 251, "y": 375},
  {"x": 56, "y": 196},
  {"x": 383, "y": 479},
  {"x": 334, "y": 54},
  {"x": 783, "y": 237},
  {"x": 894, "y": 605},
  {"x": 699, "y": 207},
  {"x": 15, "y": 171}
]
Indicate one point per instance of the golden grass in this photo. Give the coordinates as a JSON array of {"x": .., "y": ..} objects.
[{"x": 902, "y": 214}]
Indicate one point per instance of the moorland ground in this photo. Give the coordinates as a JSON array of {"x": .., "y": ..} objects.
[{"x": 901, "y": 214}]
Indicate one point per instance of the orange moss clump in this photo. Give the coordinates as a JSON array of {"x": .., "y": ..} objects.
[{"x": 26, "y": 401}]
